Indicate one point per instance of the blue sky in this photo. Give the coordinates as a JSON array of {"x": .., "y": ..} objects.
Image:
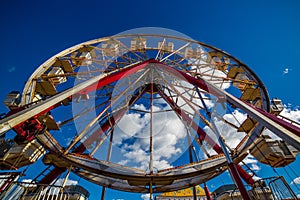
[{"x": 262, "y": 34}]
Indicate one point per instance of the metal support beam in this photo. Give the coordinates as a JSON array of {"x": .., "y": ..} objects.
[
  {"x": 110, "y": 122},
  {"x": 185, "y": 117},
  {"x": 108, "y": 159},
  {"x": 94, "y": 136},
  {"x": 82, "y": 133},
  {"x": 82, "y": 88},
  {"x": 201, "y": 134},
  {"x": 232, "y": 169},
  {"x": 151, "y": 131},
  {"x": 52, "y": 175},
  {"x": 191, "y": 158},
  {"x": 289, "y": 132},
  {"x": 207, "y": 193}
]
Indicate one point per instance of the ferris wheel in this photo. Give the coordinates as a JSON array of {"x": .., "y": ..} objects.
[{"x": 146, "y": 113}]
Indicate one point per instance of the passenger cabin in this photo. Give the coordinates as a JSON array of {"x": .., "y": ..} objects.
[
  {"x": 49, "y": 121},
  {"x": 14, "y": 156},
  {"x": 192, "y": 53},
  {"x": 219, "y": 60},
  {"x": 276, "y": 153},
  {"x": 276, "y": 106},
  {"x": 166, "y": 47},
  {"x": 83, "y": 56},
  {"x": 46, "y": 86},
  {"x": 138, "y": 43},
  {"x": 110, "y": 48},
  {"x": 12, "y": 100},
  {"x": 240, "y": 80},
  {"x": 64, "y": 64},
  {"x": 247, "y": 126},
  {"x": 57, "y": 76}
]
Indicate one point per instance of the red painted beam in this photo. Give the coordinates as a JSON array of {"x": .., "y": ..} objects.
[
  {"x": 104, "y": 81},
  {"x": 283, "y": 123},
  {"x": 27, "y": 129},
  {"x": 245, "y": 176},
  {"x": 49, "y": 178},
  {"x": 110, "y": 122},
  {"x": 180, "y": 74},
  {"x": 207, "y": 193},
  {"x": 133, "y": 69},
  {"x": 202, "y": 134},
  {"x": 116, "y": 76},
  {"x": 96, "y": 134},
  {"x": 238, "y": 181},
  {"x": 52, "y": 175}
]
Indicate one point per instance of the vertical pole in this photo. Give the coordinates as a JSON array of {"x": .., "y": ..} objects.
[
  {"x": 150, "y": 188},
  {"x": 151, "y": 129},
  {"x": 107, "y": 159},
  {"x": 103, "y": 193},
  {"x": 191, "y": 160},
  {"x": 151, "y": 139},
  {"x": 208, "y": 197},
  {"x": 67, "y": 177},
  {"x": 232, "y": 169}
]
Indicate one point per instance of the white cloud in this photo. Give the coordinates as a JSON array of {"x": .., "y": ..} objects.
[
  {"x": 123, "y": 162},
  {"x": 168, "y": 131},
  {"x": 145, "y": 196},
  {"x": 296, "y": 181},
  {"x": 60, "y": 181},
  {"x": 251, "y": 162},
  {"x": 29, "y": 181},
  {"x": 11, "y": 69},
  {"x": 286, "y": 71},
  {"x": 289, "y": 113},
  {"x": 230, "y": 134}
]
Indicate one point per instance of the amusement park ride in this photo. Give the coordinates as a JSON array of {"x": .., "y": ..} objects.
[{"x": 72, "y": 110}]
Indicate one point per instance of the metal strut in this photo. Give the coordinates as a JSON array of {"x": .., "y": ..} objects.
[
  {"x": 82, "y": 88},
  {"x": 108, "y": 159},
  {"x": 233, "y": 171},
  {"x": 94, "y": 136},
  {"x": 151, "y": 137}
]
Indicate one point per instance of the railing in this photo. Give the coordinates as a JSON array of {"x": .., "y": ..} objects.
[
  {"x": 273, "y": 188},
  {"x": 30, "y": 191}
]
